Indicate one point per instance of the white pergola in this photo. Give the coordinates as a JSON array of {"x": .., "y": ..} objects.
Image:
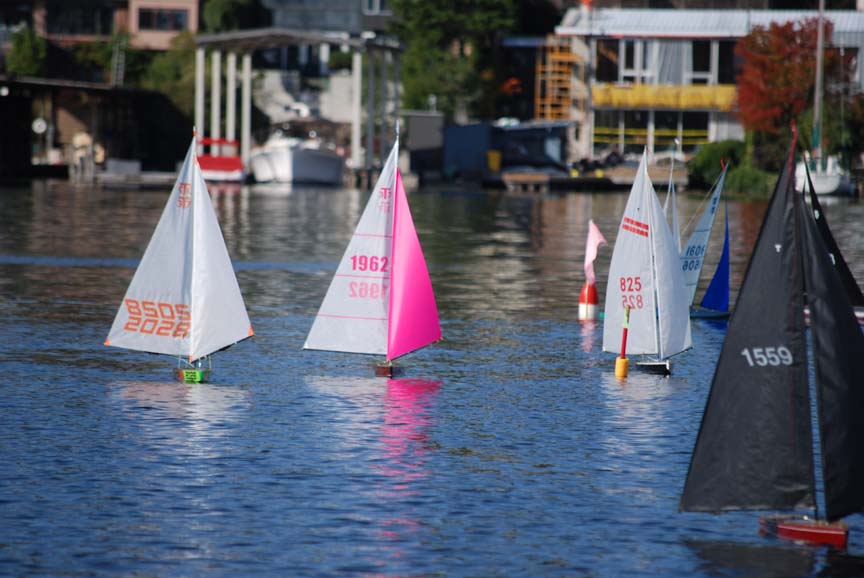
[{"x": 381, "y": 52}]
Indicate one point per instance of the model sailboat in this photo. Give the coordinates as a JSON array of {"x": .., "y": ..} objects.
[
  {"x": 755, "y": 446},
  {"x": 645, "y": 283},
  {"x": 715, "y": 302},
  {"x": 380, "y": 301},
  {"x": 184, "y": 299}
]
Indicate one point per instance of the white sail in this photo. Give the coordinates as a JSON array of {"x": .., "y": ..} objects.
[
  {"x": 673, "y": 204},
  {"x": 645, "y": 275},
  {"x": 693, "y": 254},
  {"x": 353, "y": 315},
  {"x": 184, "y": 298},
  {"x": 631, "y": 280},
  {"x": 673, "y": 309}
]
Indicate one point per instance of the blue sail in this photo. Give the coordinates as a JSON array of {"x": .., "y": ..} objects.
[{"x": 717, "y": 295}]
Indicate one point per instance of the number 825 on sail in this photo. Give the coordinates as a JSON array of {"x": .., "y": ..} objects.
[{"x": 633, "y": 286}]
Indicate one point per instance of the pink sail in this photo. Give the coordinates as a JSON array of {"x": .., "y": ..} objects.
[
  {"x": 595, "y": 239},
  {"x": 413, "y": 314}
]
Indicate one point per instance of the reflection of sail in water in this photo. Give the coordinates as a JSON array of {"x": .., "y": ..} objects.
[
  {"x": 405, "y": 437},
  {"x": 746, "y": 560},
  {"x": 191, "y": 416},
  {"x": 406, "y": 424}
]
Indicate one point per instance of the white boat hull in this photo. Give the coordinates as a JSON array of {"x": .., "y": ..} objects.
[
  {"x": 832, "y": 181},
  {"x": 297, "y": 165}
]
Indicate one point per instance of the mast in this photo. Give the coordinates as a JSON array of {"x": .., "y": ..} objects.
[{"x": 816, "y": 144}]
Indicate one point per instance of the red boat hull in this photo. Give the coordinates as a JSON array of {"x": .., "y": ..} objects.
[{"x": 803, "y": 529}]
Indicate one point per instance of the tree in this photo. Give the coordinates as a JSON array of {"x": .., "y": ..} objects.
[
  {"x": 26, "y": 56},
  {"x": 173, "y": 72},
  {"x": 776, "y": 83},
  {"x": 222, "y": 15},
  {"x": 450, "y": 51}
]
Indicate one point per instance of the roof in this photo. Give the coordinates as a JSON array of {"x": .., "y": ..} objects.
[
  {"x": 261, "y": 38},
  {"x": 656, "y": 23}
]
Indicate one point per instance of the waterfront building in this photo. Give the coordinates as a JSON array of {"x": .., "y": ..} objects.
[{"x": 654, "y": 76}]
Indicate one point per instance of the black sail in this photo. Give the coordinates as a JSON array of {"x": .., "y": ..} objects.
[
  {"x": 838, "y": 354},
  {"x": 754, "y": 448},
  {"x": 848, "y": 281}
]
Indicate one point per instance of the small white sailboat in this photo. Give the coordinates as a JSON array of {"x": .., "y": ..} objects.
[
  {"x": 380, "y": 301},
  {"x": 184, "y": 299},
  {"x": 646, "y": 283}
]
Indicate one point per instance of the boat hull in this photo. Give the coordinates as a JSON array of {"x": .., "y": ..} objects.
[
  {"x": 701, "y": 313},
  {"x": 663, "y": 367},
  {"x": 297, "y": 165},
  {"x": 830, "y": 182},
  {"x": 185, "y": 375},
  {"x": 804, "y": 529}
]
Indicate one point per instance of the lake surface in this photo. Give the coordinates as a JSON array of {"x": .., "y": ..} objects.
[{"x": 508, "y": 449}]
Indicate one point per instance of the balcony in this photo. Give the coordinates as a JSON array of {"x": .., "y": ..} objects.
[{"x": 648, "y": 96}]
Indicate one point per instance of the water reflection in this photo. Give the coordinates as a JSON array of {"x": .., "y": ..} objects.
[
  {"x": 405, "y": 436},
  {"x": 184, "y": 418},
  {"x": 752, "y": 560}
]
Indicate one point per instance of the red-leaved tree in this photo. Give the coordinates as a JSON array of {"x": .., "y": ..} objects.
[{"x": 776, "y": 79}]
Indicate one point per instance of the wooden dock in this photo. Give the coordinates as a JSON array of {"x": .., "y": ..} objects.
[{"x": 612, "y": 179}]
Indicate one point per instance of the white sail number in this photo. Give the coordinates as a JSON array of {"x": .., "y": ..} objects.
[
  {"x": 694, "y": 258},
  {"x": 631, "y": 292},
  {"x": 763, "y": 356}
]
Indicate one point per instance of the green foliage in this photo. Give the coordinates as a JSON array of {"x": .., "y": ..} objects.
[
  {"x": 222, "y": 15},
  {"x": 26, "y": 56},
  {"x": 173, "y": 72},
  {"x": 750, "y": 181},
  {"x": 705, "y": 167},
  {"x": 450, "y": 51}
]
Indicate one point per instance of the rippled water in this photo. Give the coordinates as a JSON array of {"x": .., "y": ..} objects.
[{"x": 509, "y": 449}]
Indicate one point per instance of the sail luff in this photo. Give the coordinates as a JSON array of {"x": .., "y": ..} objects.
[
  {"x": 754, "y": 447},
  {"x": 652, "y": 242}
]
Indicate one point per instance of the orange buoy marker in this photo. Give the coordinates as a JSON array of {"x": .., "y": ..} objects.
[
  {"x": 588, "y": 302},
  {"x": 621, "y": 362}
]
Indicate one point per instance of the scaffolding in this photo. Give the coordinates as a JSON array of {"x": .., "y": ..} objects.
[{"x": 560, "y": 73}]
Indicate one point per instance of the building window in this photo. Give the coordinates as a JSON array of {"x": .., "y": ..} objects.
[
  {"x": 376, "y": 6},
  {"x": 162, "y": 19},
  {"x": 637, "y": 61},
  {"x": 700, "y": 62},
  {"x": 695, "y": 130},
  {"x": 607, "y": 60},
  {"x": 75, "y": 20},
  {"x": 728, "y": 66}
]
